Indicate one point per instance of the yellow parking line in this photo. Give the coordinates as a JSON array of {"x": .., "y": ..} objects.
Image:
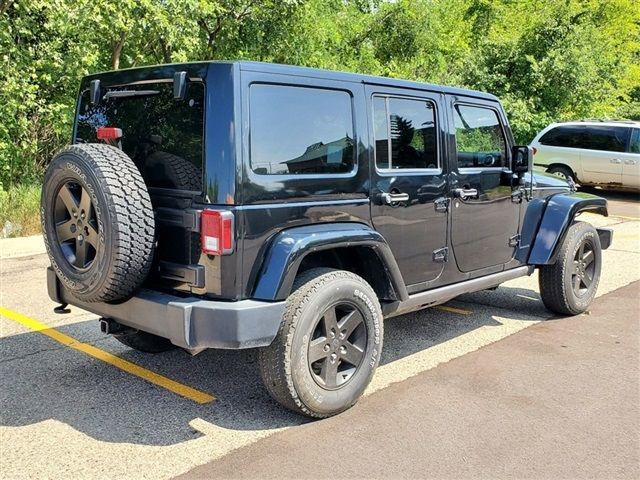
[
  {"x": 624, "y": 218},
  {"x": 129, "y": 367},
  {"x": 460, "y": 311}
]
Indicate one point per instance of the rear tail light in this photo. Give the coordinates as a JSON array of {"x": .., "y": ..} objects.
[
  {"x": 216, "y": 232},
  {"x": 109, "y": 133}
]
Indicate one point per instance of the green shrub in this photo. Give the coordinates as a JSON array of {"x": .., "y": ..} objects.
[{"x": 20, "y": 210}]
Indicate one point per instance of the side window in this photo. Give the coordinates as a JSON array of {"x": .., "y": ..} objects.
[
  {"x": 405, "y": 133},
  {"x": 634, "y": 146},
  {"x": 610, "y": 139},
  {"x": 300, "y": 130},
  {"x": 570, "y": 136},
  {"x": 479, "y": 137}
]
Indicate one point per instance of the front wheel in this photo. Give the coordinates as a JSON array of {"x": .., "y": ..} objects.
[
  {"x": 562, "y": 172},
  {"x": 328, "y": 346},
  {"x": 569, "y": 286}
]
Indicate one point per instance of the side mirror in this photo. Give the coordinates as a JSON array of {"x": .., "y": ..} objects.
[{"x": 521, "y": 159}]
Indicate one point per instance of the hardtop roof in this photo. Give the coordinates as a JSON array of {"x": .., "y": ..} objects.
[{"x": 137, "y": 73}]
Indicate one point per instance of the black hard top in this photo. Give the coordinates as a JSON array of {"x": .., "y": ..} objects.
[
  {"x": 356, "y": 77},
  {"x": 159, "y": 71}
]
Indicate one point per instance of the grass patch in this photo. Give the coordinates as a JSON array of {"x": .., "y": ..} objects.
[{"x": 20, "y": 210}]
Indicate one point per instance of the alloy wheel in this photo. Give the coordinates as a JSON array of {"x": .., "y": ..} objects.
[
  {"x": 584, "y": 266},
  {"x": 76, "y": 225},
  {"x": 338, "y": 345}
]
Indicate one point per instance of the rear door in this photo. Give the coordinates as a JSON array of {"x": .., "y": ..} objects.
[
  {"x": 486, "y": 209},
  {"x": 602, "y": 148},
  {"x": 409, "y": 181}
]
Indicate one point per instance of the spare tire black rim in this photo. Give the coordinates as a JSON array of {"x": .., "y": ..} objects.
[
  {"x": 337, "y": 346},
  {"x": 584, "y": 267},
  {"x": 76, "y": 225}
]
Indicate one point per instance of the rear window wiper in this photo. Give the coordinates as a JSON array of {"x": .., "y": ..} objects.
[{"x": 130, "y": 93}]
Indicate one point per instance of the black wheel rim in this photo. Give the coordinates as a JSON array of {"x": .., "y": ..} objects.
[
  {"x": 76, "y": 226},
  {"x": 337, "y": 346},
  {"x": 584, "y": 267}
]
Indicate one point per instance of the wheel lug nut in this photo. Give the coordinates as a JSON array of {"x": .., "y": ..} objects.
[
  {"x": 333, "y": 357},
  {"x": 332, "y": 334},
  {"x": 326, "y": 348},
  {"x": 343, "y": 349}
]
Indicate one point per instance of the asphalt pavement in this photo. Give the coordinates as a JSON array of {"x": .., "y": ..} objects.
[
  {"x": 75, "y": 403},
  {"x": 558, "y": 400}
]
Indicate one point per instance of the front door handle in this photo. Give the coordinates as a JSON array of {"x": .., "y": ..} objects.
[
  {"x": 390, "y": 198},
  {"x": 616, "y": 160},
  {"x": 465, "y": 193}
]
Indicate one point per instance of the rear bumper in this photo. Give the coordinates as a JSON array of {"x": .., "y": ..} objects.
[{"x": 190, "y": 323}]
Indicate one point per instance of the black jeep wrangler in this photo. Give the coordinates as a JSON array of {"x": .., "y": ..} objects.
[{"x": 241, "y": 205}]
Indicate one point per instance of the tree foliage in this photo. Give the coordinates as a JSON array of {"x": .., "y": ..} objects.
[{"x": 547, "y": 60}]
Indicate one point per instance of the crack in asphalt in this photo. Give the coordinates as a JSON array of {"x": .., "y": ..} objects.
[{"x": 57, "y": 348}]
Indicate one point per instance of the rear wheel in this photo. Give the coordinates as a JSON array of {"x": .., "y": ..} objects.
[
  {"x": 328, "y": 346},
  {"x": 569, "y": 286}
]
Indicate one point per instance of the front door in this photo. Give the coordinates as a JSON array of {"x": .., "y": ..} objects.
[
  {"x": 408, "y": 186},
  {"x": 485, "y": 214}
]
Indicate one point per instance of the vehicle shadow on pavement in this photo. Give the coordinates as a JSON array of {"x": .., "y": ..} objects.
[{"x": 41, "y": 379}]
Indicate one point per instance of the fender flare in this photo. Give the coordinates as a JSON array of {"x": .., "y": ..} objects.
[
  {"x": 558, "y": 215},
  {"x": 289, "y": 247}
]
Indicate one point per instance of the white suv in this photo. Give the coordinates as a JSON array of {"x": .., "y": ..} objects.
[{"x": 591, "y": 152}]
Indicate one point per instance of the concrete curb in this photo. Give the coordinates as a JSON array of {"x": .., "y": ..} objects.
[{"x": 21, "y": 246}]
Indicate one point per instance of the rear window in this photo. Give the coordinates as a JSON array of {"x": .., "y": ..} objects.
[
  {"x": 300, "y": 130},
  {"x": 611, "y": 139},
  {"x": 591, "y": 137},
  {"x": 152, "y": 121}
]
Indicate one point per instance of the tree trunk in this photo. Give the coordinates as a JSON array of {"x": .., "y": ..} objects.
[
  {"x": 4, "y": 5},
  {"x": 116, "y": 51}
]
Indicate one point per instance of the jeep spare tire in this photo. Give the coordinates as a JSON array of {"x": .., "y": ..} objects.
[{"x": 98, "y": 222}]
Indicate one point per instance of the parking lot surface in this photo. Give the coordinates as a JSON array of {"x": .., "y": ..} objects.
[
  {"x": 557, "y": 400},
  {"x": 66, "y": 413}
]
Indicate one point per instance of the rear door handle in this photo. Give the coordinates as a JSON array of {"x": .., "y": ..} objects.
[
  {"x": 390, "y": 198},
  {"x": 465, "y": 193},
  {"x": 616, "y": 160}
]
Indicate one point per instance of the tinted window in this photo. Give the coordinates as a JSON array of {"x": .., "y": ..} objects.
[
  {"x": 592, "y": 137},
  {"x": 571, "y": 136},
  {"x": 479, "y": 138},
  {"x": 151, "y": 121},
  {"x": 634, "y": 146},
  {"x": 298, "y": 130},
  {"x": 610, "y": 139},
  {"x": 405, "y": 133}
]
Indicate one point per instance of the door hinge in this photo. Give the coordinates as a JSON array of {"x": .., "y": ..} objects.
[
  {"x": 441, "y": 204},
  {"x": 441, "y": 255},
  {"x": 514, "y": 241},
  {"x": 516, "y": 196}
]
